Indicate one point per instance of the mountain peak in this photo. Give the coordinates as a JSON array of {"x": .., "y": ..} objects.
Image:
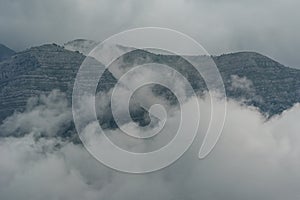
[
  {"x": 5, "y": 52},
  {"x": 47, "y": 47},
  {"x": 81, "y": 45},
  {"x": 247, "y": 59}
]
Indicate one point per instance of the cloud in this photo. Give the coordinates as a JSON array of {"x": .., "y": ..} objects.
[
  {"x": 241, "y": 83},
  {"x": 44, "y": 116},
  {"x": 254, "y": 159},
  {"x": 220, "y": 26}
]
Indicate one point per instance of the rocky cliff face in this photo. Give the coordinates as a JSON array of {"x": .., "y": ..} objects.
[{"x": 248, "y": 76}]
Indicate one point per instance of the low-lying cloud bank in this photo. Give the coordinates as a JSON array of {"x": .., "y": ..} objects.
[{"x": 254, "y": 159}]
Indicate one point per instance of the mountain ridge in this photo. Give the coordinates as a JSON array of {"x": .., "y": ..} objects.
[{"x": 248, "y": 76}]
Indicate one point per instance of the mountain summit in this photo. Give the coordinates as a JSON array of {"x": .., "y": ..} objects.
[
  {"x": 81, "y": 45},
  {"x": 5, "y": 52}
]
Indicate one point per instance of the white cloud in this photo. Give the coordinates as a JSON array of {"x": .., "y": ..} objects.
[
  {"x": 254, "y": 159},
  {"x": 241, "y": 83},
  {"x": 44, "y": 116}
]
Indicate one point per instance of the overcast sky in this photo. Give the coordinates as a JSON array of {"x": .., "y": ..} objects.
[{"x": 271, "y": 27}]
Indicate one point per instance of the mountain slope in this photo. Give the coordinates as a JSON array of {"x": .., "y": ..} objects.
[
  {"x": 5, "y": 52},
  {"x": 33, "y": 72},
  {"x": 273, "y": 87}
]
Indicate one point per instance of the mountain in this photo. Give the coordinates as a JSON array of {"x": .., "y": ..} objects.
[
  {"x": 251, "y": 77},
  {"x": 5, "y": 52}
]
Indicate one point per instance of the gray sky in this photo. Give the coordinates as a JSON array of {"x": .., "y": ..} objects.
[{"x": 271, "y": 27}]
